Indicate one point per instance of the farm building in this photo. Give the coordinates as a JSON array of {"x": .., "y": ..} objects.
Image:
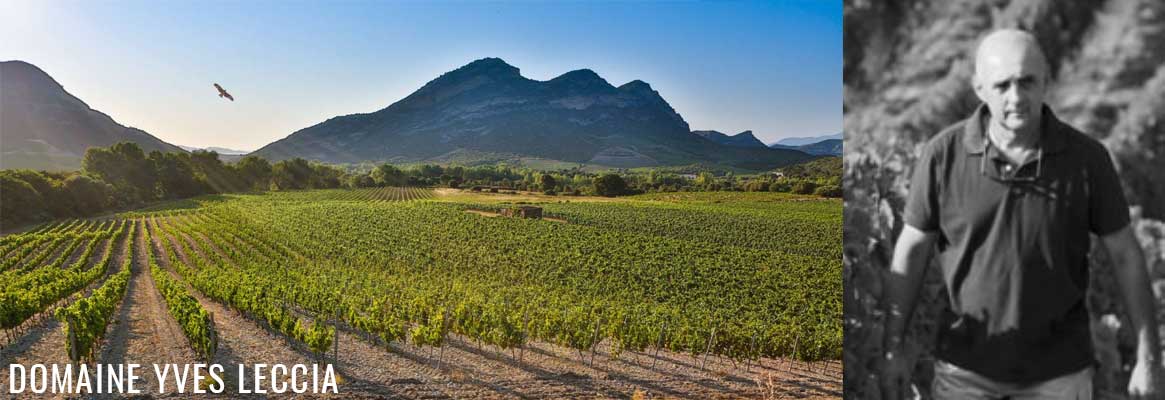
[{"x": 523, "y": 212}]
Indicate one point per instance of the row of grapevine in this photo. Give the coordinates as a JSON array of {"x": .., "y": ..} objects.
[
  {"x": 388, "y": 194},
  {"x": 31, "y": 250},
  {"x": 86, "y": 320},
  {"x": 196, "y": 323},
  {"x": 31, "y": 293},
  {"x": 241, "y": 292}
]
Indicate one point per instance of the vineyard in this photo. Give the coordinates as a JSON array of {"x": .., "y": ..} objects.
[{"x": 700, "y": 295}]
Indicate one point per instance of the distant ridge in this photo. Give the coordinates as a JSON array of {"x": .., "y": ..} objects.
[
  {"x": 742, "y": 139},
  {"x": 801, "y": 141},
  {"x": 828, "y": 147},
  {"x": 219, "y": 150}
]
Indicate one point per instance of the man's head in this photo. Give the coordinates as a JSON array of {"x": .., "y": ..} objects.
[{"x": 1011, "y": 76}]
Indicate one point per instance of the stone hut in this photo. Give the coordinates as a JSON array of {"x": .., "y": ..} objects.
[{"x": 523, "y": 212}]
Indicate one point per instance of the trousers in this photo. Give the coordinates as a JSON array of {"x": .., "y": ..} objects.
[{"x": 952, "y": 382}]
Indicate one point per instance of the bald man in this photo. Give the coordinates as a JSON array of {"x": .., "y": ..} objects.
[{"x": 1009, "y": 197}]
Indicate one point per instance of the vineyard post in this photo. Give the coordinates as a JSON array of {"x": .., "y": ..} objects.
[
  {"x": 525, "y": 335},
  {"x": 594, "y": 341},
  {"x": 444, "y": 329},
  {"x": 623, "y": 328},
  {"x": 213, "y": 337},
  {"x": 73, "y": 356},
  {"x": 708, "y": 347},
  {"x": 789, "y": 362},
  {"x": 751, "y": 348},
  {"x": 658, "y": 344},
  {"x": 336, "y": 336}
]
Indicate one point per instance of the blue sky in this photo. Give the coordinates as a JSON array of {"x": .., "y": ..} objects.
[{"x": 770, "y": 67}]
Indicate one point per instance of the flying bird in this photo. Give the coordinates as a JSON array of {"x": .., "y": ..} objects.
[{"x": 223, "y": 93}]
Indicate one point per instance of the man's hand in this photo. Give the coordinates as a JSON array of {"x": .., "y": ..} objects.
[
  {"x": 895, "y": 369},
  {"x": 1133, "y": 281},
  {"x": 1146, "y": 381}
]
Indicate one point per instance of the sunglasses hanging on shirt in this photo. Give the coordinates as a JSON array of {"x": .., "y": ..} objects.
[{"x": 1015, "y": 177}]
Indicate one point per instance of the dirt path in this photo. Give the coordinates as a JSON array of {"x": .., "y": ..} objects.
[
  {"x": 145, "y": 332},
  {"x": 494, "y": 214}
]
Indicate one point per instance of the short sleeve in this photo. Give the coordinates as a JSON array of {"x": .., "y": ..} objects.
[
  {"x": 1108, "y": 211},
  {"x": 922, "y": 202}
]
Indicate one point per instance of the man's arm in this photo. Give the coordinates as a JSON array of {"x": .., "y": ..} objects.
[
  {"x": 900, "y": 294},
  {"x": 1133, "y": 280},
  {"x": 911, "y": 254}
]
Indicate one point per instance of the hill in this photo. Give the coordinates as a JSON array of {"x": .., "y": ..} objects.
[
  {"x": 827, "y": 147},
  {"x": 42, "y": 126},
  {"x": 220, "y": 150},
  {"x": 488, "y": 107},
  {"x": 742, "y": 139},
  {"x": 801, "y": 141}
]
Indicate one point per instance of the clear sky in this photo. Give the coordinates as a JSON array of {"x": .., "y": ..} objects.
[{"x": 772, "y": 67}]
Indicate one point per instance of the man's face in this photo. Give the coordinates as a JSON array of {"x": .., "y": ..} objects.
[{"x": 1011, "y": 80}]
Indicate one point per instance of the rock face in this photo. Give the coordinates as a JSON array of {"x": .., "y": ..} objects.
[
  {"x": 488, "y": 107},
  {"x": 44, "y": 127},
  {"x": 742, "y": 139},
  {"x": 907, "y": 70}
]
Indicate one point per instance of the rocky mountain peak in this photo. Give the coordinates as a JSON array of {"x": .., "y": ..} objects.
[{"x": 489, "y": 66}]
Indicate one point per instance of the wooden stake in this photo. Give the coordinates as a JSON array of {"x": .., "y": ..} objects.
[
  {"x": 658, "y": 344},
  {"x": 751, "y": 348},
  {"x": 708, "y": 348}
]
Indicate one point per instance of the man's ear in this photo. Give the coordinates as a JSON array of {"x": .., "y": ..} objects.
[{"x": 977, "y": 86}]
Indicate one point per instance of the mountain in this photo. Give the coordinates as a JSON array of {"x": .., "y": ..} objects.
[
  {"x": 219, "y": 150},
  {"x": 488, "y": 107},
  {"x": 828, "y": 147},
  {"x": 742, "y": 139},
  {"x": 42, "y": 126},
  {"x": 801, "y": 141}
]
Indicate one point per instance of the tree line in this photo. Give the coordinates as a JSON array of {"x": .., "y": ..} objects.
[{"x": 123, "y": 176}]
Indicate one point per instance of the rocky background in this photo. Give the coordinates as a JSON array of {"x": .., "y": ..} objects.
[{"x": 907, "y": 71}]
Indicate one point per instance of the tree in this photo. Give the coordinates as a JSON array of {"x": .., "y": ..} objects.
[
  {"x": 430, "y": 171},
  {"x": 324, "y": 177},
  {"x": 22, "y": 202},
  {"x": 388, "y": 175},
  {"x": 217, "y": 177},
  {"x": 175, "y": 177},
  {"x": 124, "y": 166},
  {"x": 291, "y": 174},
  {"x": 88, "y": 196},
  {"x": 610, "y": 185},
  {"x": 255, "y": 172},
  {"x": 804, "y": 187},
  {"x": 360, "y": 181},
  {"x": 705, "y": 179},
  {"x": 547, "y": 182},
  {"x": 828, "y": 191}
]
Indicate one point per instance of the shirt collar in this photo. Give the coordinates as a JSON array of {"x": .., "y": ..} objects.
[{"x": 1052, "y": 134}]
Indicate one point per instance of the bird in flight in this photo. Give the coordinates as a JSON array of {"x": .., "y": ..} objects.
[{"x": 223, "y": 93}]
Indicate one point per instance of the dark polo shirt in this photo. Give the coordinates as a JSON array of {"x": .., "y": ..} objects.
[{"x": 1014, "y": 255}]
